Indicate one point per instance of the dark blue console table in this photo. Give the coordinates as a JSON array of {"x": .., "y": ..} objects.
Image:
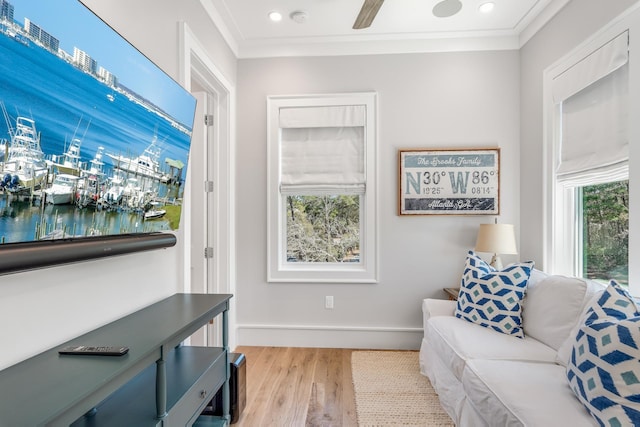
[{"x": 159, "y": 382}]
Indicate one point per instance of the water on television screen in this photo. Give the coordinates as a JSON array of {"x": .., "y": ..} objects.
[{"x": 94, "y": 138}]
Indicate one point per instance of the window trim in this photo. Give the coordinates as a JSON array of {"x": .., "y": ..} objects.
[{"x": 278, "y": 269}]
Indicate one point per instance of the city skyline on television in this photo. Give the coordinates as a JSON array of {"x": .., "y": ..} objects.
[{"x": 106, "y": 47}]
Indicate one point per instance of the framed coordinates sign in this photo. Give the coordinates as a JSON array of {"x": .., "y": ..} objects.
[{"x": 445, "y": 182}]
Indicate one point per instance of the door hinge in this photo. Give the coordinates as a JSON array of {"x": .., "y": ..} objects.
[
  {"x": 208, "y": 252},
  {"x": 208, "y": 186},
  {"x": 208, "y": 119}
]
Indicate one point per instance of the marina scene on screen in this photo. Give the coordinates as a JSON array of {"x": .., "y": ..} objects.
[{"x": 94, "y": 138}]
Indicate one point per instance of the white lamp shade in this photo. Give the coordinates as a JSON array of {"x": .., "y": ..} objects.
[{"x": 496, "y": 239}]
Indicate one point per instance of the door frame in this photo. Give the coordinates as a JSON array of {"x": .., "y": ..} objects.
[{"x": 196, "y": 66}]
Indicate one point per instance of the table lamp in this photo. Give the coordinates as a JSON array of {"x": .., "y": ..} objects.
[{"x": 496, "y": 239}]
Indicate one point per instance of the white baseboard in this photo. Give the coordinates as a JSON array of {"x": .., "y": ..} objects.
[{"x": 329, "y": 336}]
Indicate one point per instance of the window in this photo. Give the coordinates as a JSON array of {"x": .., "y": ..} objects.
[
  {"x": 589, "y": 163},
  {"x": 604, "y": 210},
  {"x": 323, "y": 229},
  {"x": 322, "y": 206}
]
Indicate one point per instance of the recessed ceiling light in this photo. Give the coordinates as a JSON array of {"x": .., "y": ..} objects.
[
  {"x": 275, "y": 16},
  {"x": 486, "y": 7}
]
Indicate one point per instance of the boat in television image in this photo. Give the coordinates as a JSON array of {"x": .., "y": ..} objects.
[
  {"x": 24, "y": 168},
  {"x": 113, "y": 194},
  {"x": 125, "y": 193},
  {"x": 154, "y": 211},
  {"x": 96, "y": 165},
  {"x": 70, "y": 163},
  {"x": 89, "y": 191},
  {"x": 132, "y": 194},
  {"x": 93, "y": 182},
  {"x": 145, "y": 165},
  {"x": 63, "y": 189}
]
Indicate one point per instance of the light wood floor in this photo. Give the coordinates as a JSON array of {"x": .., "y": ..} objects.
[{"x": 298, "y": 387}]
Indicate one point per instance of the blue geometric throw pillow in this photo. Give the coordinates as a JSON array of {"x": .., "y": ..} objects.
[
  {"x": 615, "y": 302},
  {"x": 604, "y": 369},
  {"x": 492, "y": 298}
]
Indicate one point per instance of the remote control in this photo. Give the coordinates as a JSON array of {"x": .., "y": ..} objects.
[{"x": 94, "y": 350}]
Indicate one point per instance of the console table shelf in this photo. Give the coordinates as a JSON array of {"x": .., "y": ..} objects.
[{"x": 157, "y": 383}]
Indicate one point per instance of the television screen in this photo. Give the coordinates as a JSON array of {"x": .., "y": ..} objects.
[{"x": 94, "y": 138}]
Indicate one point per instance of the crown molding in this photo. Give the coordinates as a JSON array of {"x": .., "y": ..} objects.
[
  {"x": 342, "y": 46},
  {"x": 222, "y": 27},
  {"x": 527, "y": 28},
  {"x": 507, "y": 39}
]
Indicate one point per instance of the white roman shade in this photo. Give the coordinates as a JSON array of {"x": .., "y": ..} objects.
[
  {"x": 322, "y": 117},
  {"x": 594, "y": 103},
  {"x": 322, "y": 150},
  {"x": 592, "y": 68}
]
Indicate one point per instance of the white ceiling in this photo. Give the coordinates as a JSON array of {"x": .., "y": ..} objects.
[{"x": 400, "y": 26}]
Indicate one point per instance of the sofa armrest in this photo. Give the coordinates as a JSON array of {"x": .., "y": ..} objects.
[{"x": 436, "y": 307}]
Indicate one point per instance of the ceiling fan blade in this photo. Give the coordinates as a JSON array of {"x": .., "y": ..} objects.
[{"x": 367, "y": 14}]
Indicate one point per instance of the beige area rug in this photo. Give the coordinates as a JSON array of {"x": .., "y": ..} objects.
[{"x": 390, "y": 391}]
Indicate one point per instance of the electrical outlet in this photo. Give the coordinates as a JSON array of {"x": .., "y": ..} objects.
[{"x": 328, "y": 301}]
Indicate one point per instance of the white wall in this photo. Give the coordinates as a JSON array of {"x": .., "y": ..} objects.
[
  {"x": 43, "y": 308},
  {"x": 578, "y": 20},
  {"x": 437, "y": 100}
]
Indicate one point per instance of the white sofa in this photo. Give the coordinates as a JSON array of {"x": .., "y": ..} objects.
[{"x": 485, "y": 378}]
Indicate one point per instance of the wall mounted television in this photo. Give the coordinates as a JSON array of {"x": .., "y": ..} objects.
[{"x": 94, "y": 139}]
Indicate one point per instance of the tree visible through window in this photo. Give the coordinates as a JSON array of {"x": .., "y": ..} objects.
[
  {"x": 606, "y": 231},
  {"x": 323, "y": 229}
]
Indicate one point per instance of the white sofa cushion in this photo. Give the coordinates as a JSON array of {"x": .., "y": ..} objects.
[
  {"x": 552, "y": 307},
  {"x": 492, "y": 298},
  {"x": 594, "y": 291},
  {"x": 536, "y": 277},
  {"x": 518, "y": 393},
  {"x": 458, "y": 341}
]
